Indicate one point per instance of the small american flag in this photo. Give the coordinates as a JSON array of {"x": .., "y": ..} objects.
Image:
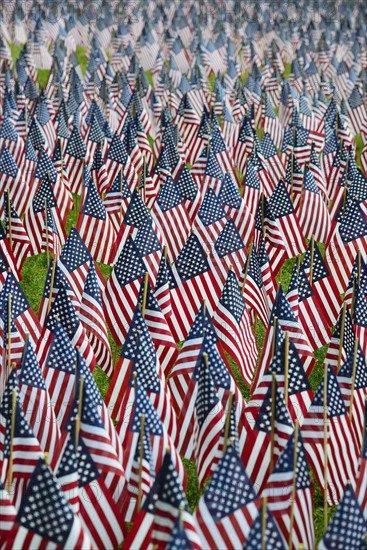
[
  {"x": 342, "y": 452},
  {"x": 348, "y": 526},
  {"x": 233, "y": 324},
  {"x": 229, "y": 505}
]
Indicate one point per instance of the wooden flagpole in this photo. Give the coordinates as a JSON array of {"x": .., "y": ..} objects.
[
  {"x": 121, "y": 196},
  {"x": 79, "y": 415},
  {"x": 47, "y": 240},
  {"x": 228, "y": 421},
  {"x": 12, "y": 430},
  {"x": 143, "y": 305},
  {"x": 274, "y": 335},
  {"x": 51, "y": 285},
  {"x": 250, "y": 248},
  {"x": 295, "y": 450},
  {"x": 263, "y": 522},
  {"x": 180, "y": 516},
  {"x": 359, "y": 266},
  {"x": 286, "y": 365},
  {"x": 312, "y": 258},
  {"x": 9, "y": 333},
  {"x": 272, "y": 429},
  {"x": 341, "y": 337},
  {"x": 9, "y": 219},
  {"x": 325, "y": 450},
  {"x": 141, "y": 452},
  {"x": 355, "y": 352}
]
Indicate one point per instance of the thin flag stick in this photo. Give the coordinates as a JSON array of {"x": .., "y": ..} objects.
[
  {"x": 272, "y": 429},
  {"x": 9, "y": 220},
  {"x": 263, "y": 522},
  {"x": 12, "y": 430},
  {"x": 325, "y": 450},
  {"x": 251, "y": 246},
  {"x": 9, "y": 332},
  {"x": 141, "y": 450},
  {"x": 274, "y": 335},
  {"x": 51, "y": 285},
  {"x": 295, "y": 449},
  {"x": 79, "y": 415},
  {"x": 47, "y": 240},
  {"x": 355, "y": 352},
  {"x": 286, "y": 361},
  {"x": 143, "y": 305},
  {"x": 312, "y": 258},
  {"x": 341, "y": 337},
  {"x": 228, "y": 421}
]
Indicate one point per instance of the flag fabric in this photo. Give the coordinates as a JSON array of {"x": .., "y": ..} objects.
[
  {"x": 338, "y": 436},
  {"x": 347, "y": 513},
  {"x": 232, "y": 322},
  {"x": 122, "y": 290},
  {"x": 157, "y": 518},
  {"x": 49, "y": 528},
  {"x": 289, "y": 491},
  {"x": 229, "y": 505}
]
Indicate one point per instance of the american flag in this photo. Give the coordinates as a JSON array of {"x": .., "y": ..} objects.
[
  {"x": 283, "y": 211},
  {"x": 348, "y": 525},
  {"x": 35, "y": 218},
  {"x": 11, "y": 179},
  {"x": 229, "y": 505},
  {"x": 162, "y": 289},
  {"x": 149, "y": 244},
  {"x": 96, "y": 437},
  {"x": 251, "y": 188},
  {"x": 51, "y": 242},
  {"x": 352, "y": 378},
  {"x": 141, "y": 468},
  {"x": 342, "y": 341},
  {"x": 253, "y": 288},
  {"x": 269, "y": 534},
  {"x": 323, "y": 285},
  {"x": 318, "y": 224},
  {"x": 59, "y": 373},
  {"x": 135, "y": 215},
  {"x": 267, "y": 229},
  {"x": 36, "y": 402},
  {"x": 62, "y": 310},
  {"x": 158, "y": 435},
  {"x": 24, "y": 448},
  {"x": 98, "y": 512},
  {"x": 139, "y": 359},
  {"x": 342, "y": 452},
  {"x": 291, "y": 379},
  {"x": 48, "y": 528},
  {"x": 210, "y": 220},
  {"x": 158, "y": 327},
  {"x": 362, "y": 477},
  {"x": 117, "y": 199},
  {"x": 18, "y": 237},
  {"x": 171, "y": 218},
  {"x": 93, "y": 318},
  {"x": 157, "y": 518},
  {"x": 122, "y": 290},
  {"x": 95, "y": 226},
  {"x": 22, "y": 314},
  {"x": 75, "y": 157},
  {"x": 233, "y": 324},
  {"x": 289, "y": 494},
  {"x": 9, "y": 513},
  {"x": 117, "y": 159},
  {"x": 208, "y": 421},
  {"x": 349, "y": 237},
  {"x": 99, "y": 172},
  {"x": 194, "y": 282},
  {"x": 271, "y": 428}
]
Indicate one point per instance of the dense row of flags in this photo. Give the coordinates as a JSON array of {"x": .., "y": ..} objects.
[{"x": 201, "y": 149}]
